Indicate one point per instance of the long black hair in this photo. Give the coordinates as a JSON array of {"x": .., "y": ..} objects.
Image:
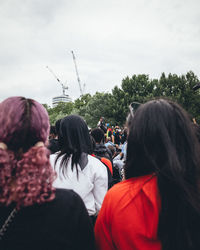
[
  {"x": 74, "y": 140},
  {"x": 162, "y": 141}
]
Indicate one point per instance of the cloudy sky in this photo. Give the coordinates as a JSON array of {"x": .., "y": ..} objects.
[{"x": 110, "y": 38}]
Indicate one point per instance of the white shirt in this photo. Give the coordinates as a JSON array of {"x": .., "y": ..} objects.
[{"x": 91, "y": 184}]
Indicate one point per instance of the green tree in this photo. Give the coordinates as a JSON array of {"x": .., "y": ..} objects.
[
  {"x": 180, "y": 89},
  {"x": 138, "y": 88},
  {"x": 135, "y": 89},
  {"x": 99, "y": 105},
  {"x": 114, "y": 106},
  {"x": 80, "y": 105},
  {"x": 60, "y": 111},
  {"x": 118, "y": 106}
]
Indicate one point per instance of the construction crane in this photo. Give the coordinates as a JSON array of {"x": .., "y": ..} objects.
[
  {"x": 78, "y": 78},
  {"x": 64, "y": 87}
]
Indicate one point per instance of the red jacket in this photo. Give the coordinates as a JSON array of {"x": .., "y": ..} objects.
[{"x": 129, "y": 216}]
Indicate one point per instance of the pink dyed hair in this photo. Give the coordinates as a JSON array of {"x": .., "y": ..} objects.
[{"x": 26, "y": 175}]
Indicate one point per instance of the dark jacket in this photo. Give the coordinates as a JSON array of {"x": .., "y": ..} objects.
[
  {"x": 57, "y": 225},
  {"x": 53, "y": 146},
  {"x": 102, "y": 151}
]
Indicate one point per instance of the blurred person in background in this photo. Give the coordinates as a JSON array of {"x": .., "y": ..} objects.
[
  {"x": 53, "y": 144},
  {"x": 102, "y": 125}
]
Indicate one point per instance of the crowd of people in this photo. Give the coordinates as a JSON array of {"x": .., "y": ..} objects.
[{"x": 68, "y": 187}]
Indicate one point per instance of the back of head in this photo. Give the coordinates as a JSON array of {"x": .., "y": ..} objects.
[
  {"x": 112, "y": 150},
  {"x": 74, "y": 135},
  {"x": 24, "y": 131},
  {"x": 23, "y": 122},
  {"x": 160, "y": 133},
  {"x": 57, "y": 126},
  {"x": 97, "y": 134},
  {"x": 52, "y": 133},
  {"x": 74, "y": 139},
  {"x": 161, "y": 141}
]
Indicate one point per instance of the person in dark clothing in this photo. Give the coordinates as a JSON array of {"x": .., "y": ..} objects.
[
  {"x": 101, "y": 124},
  {"x": 60, "y": 224},
  {"x": 124, "y": 135},
  {"x": 35, "y": 215},
  {"x": 103, "y": 153},
  {"x": 117, "y": 136},
  {"x": 54, "y": 142},
  {"x": 112, "y": 150},
  {"x": 100, "y": 149},
  {"x": 52, "y": 132}
]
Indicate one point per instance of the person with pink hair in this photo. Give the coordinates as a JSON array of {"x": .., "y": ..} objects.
[{"x": 33, "y": 214}]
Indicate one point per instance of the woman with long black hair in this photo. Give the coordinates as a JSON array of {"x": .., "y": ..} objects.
[
  {"x": 76, "y": 168},
  {"x": 158, "y": 205}
]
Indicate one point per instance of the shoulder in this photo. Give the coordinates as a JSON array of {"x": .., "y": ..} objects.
[
  {"x": 65, "y": 207},
  {"x": 96, "y": 167},
  {"x": 129, "y": 189},
  {"x": 92, "y": 160},
  {"x": 132, "y": 198},
  {"x": 66, "y": 198},
  {"x": 96, "y": 164},
  {"x": 53, "y": 157},
  {"x": 131, "y": 207}
]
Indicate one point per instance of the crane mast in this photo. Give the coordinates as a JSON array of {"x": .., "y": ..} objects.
[
  {"x": 78, "y": 78},
  {"x": 63, "y": 86}
]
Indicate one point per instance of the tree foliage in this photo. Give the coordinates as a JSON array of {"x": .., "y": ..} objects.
[
  {"x": 180, "y": 89},
  {"x": 114, "y": 106},
  {"x": 99, "y": 105},
  {"x": 80, "y": 105},
  {"x": 60, "y": 111}
]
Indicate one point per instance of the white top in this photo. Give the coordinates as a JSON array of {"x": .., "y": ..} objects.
[{"x": 91, "y": 184}]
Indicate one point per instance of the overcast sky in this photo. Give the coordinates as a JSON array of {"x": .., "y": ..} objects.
[{"x": 110, "y": 38}]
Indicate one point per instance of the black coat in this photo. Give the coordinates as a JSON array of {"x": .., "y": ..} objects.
[{"x": 61, "y": 224}]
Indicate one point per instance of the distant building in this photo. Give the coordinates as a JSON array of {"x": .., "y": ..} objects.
[{"x": 61, "y": 98}]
